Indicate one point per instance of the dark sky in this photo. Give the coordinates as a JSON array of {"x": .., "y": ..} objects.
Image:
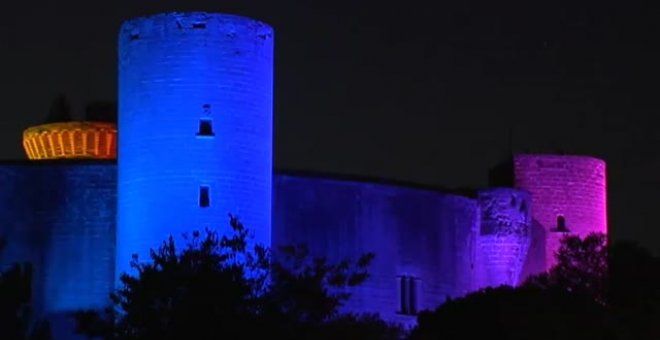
[{"x": 415, "y": 91}]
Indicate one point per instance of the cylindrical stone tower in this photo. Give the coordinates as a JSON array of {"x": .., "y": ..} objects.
[
  {"x": 504, "y": 236},
  {"x": 195, "y": 125},
  {"x": 568, "y": 196}
]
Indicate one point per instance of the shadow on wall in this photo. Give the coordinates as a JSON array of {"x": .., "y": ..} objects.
[
  {"x": 535, "y": 262},
  {"x": 60, "y": 216},
  {"x": 72, "y": 234},
  {"x": 27, "y": 198},
  {"x": 13, "y": 213}
]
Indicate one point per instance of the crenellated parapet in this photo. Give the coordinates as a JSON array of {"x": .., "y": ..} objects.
[{"x": 71, "y": 140}]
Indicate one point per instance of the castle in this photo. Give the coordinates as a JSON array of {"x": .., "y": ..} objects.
[{"x": 195, "y": 144}]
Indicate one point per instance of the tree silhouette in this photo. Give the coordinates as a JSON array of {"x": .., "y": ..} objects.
[
  {"x": 634, "y": 290},
  {"x": 15, "y": 298},
  {"x": 305, "y": 294},
  {"x": 595, "y": 291},
  {"x": 582, "y": 267},
  {"x": 101, "y": 111},
  {"x": 516, "y": 313},
  {"x": 60, "y": 110},
  {"x": 567, "y": 302},
  {"x": 624, "y": 277},
  {"x": 225, "y": 287}
]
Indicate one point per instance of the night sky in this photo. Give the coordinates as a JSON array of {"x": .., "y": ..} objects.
[{"x": 423, "y": 92}]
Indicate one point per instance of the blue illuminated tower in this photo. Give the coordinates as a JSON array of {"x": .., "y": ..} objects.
[{"x": 195, "y": 122}]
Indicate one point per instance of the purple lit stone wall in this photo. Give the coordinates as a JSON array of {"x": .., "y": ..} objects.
[
  {"x": 425, "y": 234},
  {"x": 504, "y": 236},
  {"x": 568, "y": 187},
  {"x": 61, "y": 217}
]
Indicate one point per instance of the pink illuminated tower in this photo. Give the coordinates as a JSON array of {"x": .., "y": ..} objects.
[{"x": 569, "y": 195}]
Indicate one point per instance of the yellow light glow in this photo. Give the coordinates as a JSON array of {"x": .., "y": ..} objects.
[{"x": 71, "y": 140}]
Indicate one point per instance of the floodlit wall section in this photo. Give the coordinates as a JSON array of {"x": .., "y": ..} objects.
[
  {"x": 61, "y": 218},
  {"x": 424, "y": 241},
  {"x": 569, "y": 195},
  {"x": 504, "y": 236},
  {"x": 195, "y": 122}
]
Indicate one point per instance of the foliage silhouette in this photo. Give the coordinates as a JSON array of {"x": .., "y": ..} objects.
[
  {"x": 623, "y": 277},
  {"x": 582, "y": 267},
  {"x": 101, "y": 111},
  {"x": 60, "y": 110},
  {"x": 15, "y": 303},
  {"x": 226, "y": 287},
  {"x": 516, "y": 313},
  {"x": 634, "y": 290},
  {"x": 595, "y": 291}
]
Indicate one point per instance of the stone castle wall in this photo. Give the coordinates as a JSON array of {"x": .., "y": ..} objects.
[
  {"x": 425, "y": 235},
  {"x": 504, "y": 236},
  {"x": 568, "y": 188},
  {"x": 195, "y": 101},
  {"x": 62, "y": 218}
]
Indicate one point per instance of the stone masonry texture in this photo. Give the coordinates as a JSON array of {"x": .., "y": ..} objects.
[
  {"x": 195, "y": 145},
  {"x": 195, "y": 115},
  {"x": 504, "y": 236},
  {"x": 568, "y": 187}
]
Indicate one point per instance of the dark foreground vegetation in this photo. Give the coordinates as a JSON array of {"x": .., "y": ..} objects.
[
  {"x": 219, "y": 287},
  {"x": 595, "y": 291}
]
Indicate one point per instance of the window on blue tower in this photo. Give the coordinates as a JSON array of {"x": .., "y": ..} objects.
[
  {"x": 205, "y": 127},
  {"x": 204, "y": 197},
  {"x": 408, "y": 288}
]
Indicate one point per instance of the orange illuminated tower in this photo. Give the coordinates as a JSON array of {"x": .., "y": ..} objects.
[{"x": 61, "y": 138}]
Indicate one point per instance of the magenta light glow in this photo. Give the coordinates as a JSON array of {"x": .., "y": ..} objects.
[{"x": 569, "y": 194}]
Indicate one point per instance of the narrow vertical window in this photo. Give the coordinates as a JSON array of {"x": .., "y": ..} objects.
[
  {"x": 205, "y": 127},
  {"x": 561, "y": 223},
  {"x": 204, "y": 199},
  {"x": 403, "y": 295},
  {"x": 414, "y": 295},
  {"x": 408, "y": 295}
]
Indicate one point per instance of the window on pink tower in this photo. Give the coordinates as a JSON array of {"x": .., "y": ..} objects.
[{"x": 561, "y": 223}]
